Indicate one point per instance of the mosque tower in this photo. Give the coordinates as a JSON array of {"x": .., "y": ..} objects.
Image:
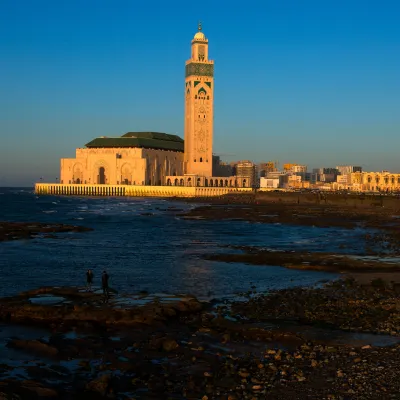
[{"x": 199, "y": 88}]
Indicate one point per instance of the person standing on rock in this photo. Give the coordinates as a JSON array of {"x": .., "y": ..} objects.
[
  {"x": 89, "y": 280},
  {"x": 104, "y": 284}
]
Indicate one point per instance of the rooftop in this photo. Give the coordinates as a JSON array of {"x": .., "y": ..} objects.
[{"x": 148, "y": 140}]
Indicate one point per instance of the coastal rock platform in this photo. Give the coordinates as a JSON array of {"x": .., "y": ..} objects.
[
  {"x": 30, "y": 230},
  {"x": 69, "y": 305},
  {"x": 65, "y": 343}
]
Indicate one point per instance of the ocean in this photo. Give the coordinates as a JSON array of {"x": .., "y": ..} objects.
[{"x": 145, "y": 245}]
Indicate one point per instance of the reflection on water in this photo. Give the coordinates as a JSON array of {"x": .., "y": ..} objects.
[{"x": 160, "y": 252}]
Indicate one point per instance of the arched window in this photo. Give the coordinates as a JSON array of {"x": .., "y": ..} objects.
[{"x": 201, "y": 159}]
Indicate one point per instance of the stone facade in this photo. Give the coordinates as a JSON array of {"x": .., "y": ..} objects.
[
  {"x": 199, "y": 99},
  {"x": 157, "y": 159},
  {"x": 114, "y": 166},
  {"x": 200, "y": 165},
  {"x": 375, "y": 181}
]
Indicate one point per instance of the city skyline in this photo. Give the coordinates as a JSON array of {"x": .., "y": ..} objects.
[{"x": 323, "y": 91}]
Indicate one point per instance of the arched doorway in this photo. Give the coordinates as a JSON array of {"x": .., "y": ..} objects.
[{"x": 102, "y": 176}]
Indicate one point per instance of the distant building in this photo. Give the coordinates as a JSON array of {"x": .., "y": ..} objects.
[
  {"x": 291, "y": 167},
  {"x": 265, "y": 168},
  {"x": 269, "y": 183},
  {"x": 288, "y": 167},
  {"x": 348, "y": 169},
  {"x": 247, "y": 171},
  {"x": 326, "y": 171},
  {"x": 344, "y": 179},
  {"x": 299, "y": 168},
  {"x": 276, "y": 175},
  {"x": 376, "y": 181},
  {"x": 327, "y": 178},
  {"x": 221, "y": 168}
]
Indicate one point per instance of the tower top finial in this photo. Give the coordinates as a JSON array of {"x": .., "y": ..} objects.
[{"x": 199, "y": 26}]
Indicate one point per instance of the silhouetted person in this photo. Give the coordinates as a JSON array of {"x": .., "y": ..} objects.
[
  {"x": 89, "y": 280},
  {"x": 104, "y": 284}
]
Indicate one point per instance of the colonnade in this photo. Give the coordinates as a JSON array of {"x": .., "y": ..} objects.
[
  {"x": 134, "y": 191},
  {"x": 80, "y": 190}
]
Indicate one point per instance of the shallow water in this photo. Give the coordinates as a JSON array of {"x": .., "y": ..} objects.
[{"x": 155, "y": 253}]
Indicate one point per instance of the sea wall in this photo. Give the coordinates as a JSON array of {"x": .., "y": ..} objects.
[{"x": 134, "y": 191}]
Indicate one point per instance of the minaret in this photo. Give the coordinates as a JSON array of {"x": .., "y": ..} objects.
[{"x": 199, "y": 88}]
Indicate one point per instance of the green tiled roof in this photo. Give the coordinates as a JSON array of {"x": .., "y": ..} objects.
[{"x": 149, "y": 140}]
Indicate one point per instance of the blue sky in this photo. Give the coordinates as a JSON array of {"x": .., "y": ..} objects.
[{"x": 314, "y": 82}]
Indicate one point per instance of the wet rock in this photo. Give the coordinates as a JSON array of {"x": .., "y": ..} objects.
[
  {"x": 39, "y": 390},
  {"x": 100, "y": 385},
  {"x": 9, "y": 396},
  {"x": 34, "y": 346},
  {"x": 169, "y": 344}
]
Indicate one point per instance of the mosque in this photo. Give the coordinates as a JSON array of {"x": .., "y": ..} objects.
[{"x": 161, "y": 159}]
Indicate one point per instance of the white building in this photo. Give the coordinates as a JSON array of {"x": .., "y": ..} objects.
[{"x": 269, "y": 183}]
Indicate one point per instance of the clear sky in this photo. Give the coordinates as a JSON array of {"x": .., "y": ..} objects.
[{"x": 307, "y": 81}]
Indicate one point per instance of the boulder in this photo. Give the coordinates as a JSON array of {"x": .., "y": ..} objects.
[{"x": 34, "y": 346}]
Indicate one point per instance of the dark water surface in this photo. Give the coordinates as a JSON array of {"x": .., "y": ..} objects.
[{"x": 145, "y": 246}]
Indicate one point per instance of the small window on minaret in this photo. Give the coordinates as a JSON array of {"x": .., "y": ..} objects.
[
  {"x": 208, "y": 97},
  {"x": 194, "y": 160},
  {"x": 195, "y": 96},
  {"x": 201, "y": 159}
]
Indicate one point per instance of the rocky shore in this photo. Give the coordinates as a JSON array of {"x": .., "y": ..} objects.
[
  {"x": 340, "y": 340},
  {"x": 298, "y": 343},
  {"x": 378, "y": 216},
  {"x": 31, "y": 230},
  {"x": 304, "y": 260}
]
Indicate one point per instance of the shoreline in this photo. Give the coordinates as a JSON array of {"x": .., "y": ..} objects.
[
  {"x": 338, "y": 341},
  {"x": 274, "y": 345},
  {"x": 382, "y": 226}
]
